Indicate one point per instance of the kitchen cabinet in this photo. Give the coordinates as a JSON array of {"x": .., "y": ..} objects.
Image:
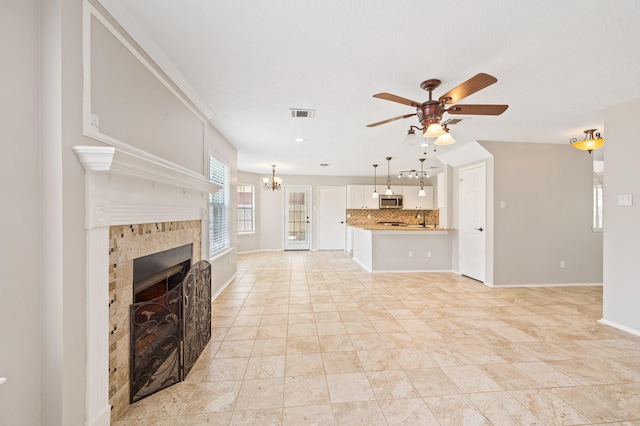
[
  {"x": 411, "y": 200},
  {"x": 359, "y": 197}
]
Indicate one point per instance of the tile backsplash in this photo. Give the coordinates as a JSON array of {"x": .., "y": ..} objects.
[{"x": 371, "y": 217}]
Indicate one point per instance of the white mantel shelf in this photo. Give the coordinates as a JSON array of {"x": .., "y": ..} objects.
[{"x": 142, "y": 165}]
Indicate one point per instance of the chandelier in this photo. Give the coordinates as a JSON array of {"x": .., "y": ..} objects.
[
  {"x": 590, "y": 142},
  {"x": 275, "y": 183}
]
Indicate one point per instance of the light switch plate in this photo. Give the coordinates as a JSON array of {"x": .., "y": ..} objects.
[{"x": 625, "y": 200}]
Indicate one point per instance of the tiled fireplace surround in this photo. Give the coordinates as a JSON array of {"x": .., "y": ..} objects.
[
  {"x": 126, "y": 243},
  {"x": 162, "y": 205}
]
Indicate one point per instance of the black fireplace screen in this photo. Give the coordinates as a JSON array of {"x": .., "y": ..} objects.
[{"x": 169, "y": 333}]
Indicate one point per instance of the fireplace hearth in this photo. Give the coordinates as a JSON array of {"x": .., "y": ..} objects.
[{"x": 170, "y": 319}]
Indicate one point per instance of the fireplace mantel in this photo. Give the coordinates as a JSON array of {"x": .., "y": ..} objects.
[
  {"x": 109, "y": 202},
  {"x": 143, "y": 165}
]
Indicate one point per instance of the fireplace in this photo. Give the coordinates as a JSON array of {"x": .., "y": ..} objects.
[
  {"x": 158, "y": 273},
  {"x": 136, "y": 272},
  {"x": 156, "y": 321}
]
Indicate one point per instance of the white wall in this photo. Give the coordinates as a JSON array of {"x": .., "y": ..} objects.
[
  {"x": 43, "y": 249},
  {"x": 622, "y": 223},
  {"x": 20, "y": 294}
]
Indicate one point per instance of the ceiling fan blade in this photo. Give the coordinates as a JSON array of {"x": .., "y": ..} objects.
[
  {"x": 475, "y": 83},
  {"x": 390, "y": 120},
  {"x": 399, "y": 99},
  {"x": 478, "y": 109}
]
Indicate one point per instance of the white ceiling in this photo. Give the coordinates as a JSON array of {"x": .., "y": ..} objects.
[{"x": 559, "y": 65}]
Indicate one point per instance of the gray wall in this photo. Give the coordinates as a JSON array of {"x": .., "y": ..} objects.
[
  {"x": 548, "y": 194},
  {"x": 547, "y": 190},
  {"x": 20, "y": 307},
  {"x": 622, "y": 223}
]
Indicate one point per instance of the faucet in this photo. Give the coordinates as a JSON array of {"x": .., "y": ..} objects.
[{"x": 424, "y": 217}]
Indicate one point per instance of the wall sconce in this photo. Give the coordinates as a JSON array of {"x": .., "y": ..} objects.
[
  {"x": 276, "y": 182},
  {"x": 589, "y": 143},
  {"x": 375, "y": 182}
]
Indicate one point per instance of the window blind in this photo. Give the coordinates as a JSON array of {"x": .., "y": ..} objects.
[{"x": 218, "y": 207}]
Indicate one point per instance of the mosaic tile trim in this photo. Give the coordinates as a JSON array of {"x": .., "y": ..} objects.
[
  {"x": 126, "y": 243},
  {"x": 371, "y": 217}
]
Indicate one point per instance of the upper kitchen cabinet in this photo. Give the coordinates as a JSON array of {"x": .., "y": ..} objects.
[
  {"x": 359, "y": 197},
  {"x": 411, "y": 200}
]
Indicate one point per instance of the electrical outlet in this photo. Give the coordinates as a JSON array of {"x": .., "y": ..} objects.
[
  {"x": 410, "y": 253},
  {"x": 428, "y": 254},
  {"x": 562, "y": 263}
]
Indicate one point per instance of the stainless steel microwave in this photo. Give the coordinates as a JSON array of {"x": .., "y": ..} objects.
[{"x": 390, "y": 201}]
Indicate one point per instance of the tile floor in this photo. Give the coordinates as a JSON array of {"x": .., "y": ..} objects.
[{"x": 310, "y": 338}]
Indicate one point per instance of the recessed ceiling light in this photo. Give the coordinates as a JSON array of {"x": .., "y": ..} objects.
[{"x": 299, "y": 139}]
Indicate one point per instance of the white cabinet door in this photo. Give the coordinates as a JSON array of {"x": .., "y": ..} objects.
[
  {"x": 354, "y": 197},
  {"x": 426, "y": 202},
  {"x": 359, "y": 197},
  {"x": 410, "y": 198},
  {"x": 368, "y": 201}
]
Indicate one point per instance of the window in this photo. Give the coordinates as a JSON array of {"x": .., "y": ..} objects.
[
  {"x": 245, "y": 209},
  {"x": 598, "y": 183},
  {"x": 218, "y": 207}
]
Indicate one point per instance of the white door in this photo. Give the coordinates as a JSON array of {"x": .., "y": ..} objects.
[
  {"x": 297, "y": 218},
  {"x": 473, "y": 221},
  {"x": 331, "y": 204}
]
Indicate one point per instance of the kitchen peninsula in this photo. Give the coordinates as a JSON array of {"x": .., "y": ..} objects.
[{"x": 402, "y": 248}]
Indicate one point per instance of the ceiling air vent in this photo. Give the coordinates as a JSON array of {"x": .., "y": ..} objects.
[
  {"x": 302, "y": 113},
  {"x": 452, "y": 121}
]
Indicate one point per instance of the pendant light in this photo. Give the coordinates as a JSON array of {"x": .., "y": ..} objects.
[
  {"x": 375, "y": 182},
  {"x": 421, "y": 192},
  {"x": 388, "y": 191}
]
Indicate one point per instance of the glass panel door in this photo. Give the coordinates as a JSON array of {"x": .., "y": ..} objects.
[{"x": 297, "y": 218}]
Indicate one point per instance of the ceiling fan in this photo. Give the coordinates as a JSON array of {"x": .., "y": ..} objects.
[{"x": 430, "y": 112}]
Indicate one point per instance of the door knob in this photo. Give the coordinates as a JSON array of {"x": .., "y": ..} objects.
[{"x": 479, "y": 229}]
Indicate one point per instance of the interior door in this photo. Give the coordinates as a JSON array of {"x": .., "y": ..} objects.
[
  {"x": 331, "y": 228},
  {"x": 473, "y": 221},
  {"x": 297, "y": 218}
]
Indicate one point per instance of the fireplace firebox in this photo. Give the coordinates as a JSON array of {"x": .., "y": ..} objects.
[{"x": 170, "y": 319}]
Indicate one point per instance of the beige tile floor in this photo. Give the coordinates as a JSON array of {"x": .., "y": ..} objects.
[{"x": 310, "y": 338}]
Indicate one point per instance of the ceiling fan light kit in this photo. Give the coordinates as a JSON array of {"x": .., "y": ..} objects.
[
  {"x": 590, "y": 142},
  {"x": 430, "y": 113},
  {"x": 412, "y": 139},
  {"x": 434, "y": 130},
  {"x": 445, "y": 138}
]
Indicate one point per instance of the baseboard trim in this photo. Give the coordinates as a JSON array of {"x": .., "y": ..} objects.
[
  {"x": 619, "y": 326},
  {"x": 544, "y": 285}
]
